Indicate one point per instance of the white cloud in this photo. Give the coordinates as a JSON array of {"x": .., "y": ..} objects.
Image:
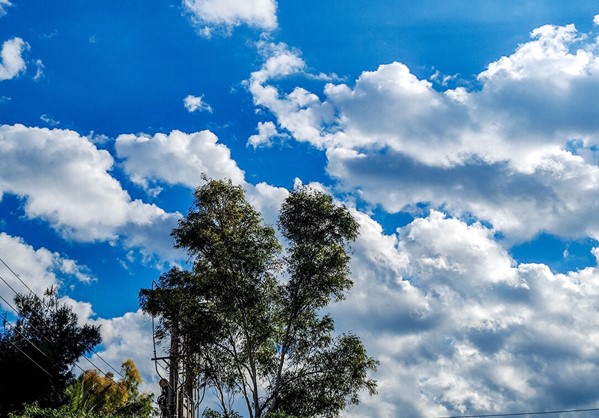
[
  {"x": 176, "y": 158},
  {"x": 83, "y": 310},
  {"x": 460, "y": 328},
  {"x": 266, "y": 132},
  {"x": 126, "y": 337},
  {"x": 226, "y": 14},
  {"x": 503, "y": 153},
  {"x": 181, "y": 158},
  {"x": 4, "y": 4},
  {"x": 596, "y": 20},
  {"x": 12, "y": 60},
  {"x": 39, "y": 72},
  {"x": 196, "y": 104},
  {"x": 49, "y": 120},
  {"x": 64, "y": 179},
  {"x": 38, "y": 268},
  {"x": 457, "y": 326},
  {"x": 267, "y": 200},
  {"x": 299, "y": 112}
]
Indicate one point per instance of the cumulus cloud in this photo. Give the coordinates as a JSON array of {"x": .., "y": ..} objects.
[
  {"x": 12, "y": 57},
  {"x": 267, "y": 131},
  {"x": 180, "y": 159},
  {"x": 519, "y": 152},
  {"x": 460, "y": 328},
  {"x": 83, "y": 310},
  {"x": 176, "y": 158},
  {"x": 227, "y": 14},
  {"x": 196, "y": 104},
  {"x": 267, "y": 200},
  {"x": 300, "y": 112},
  {"x": 126, "y": 337},
  {"x": 38, "y": 268},
  {"x": 64, "y": 179}
]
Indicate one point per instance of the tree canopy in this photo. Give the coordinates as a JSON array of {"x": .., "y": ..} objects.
[
  {"x": 94, "y": 395},
  {"x": 94, "y": 392},
  {"x": 249, "y": 316},
  {"x": 38, "y": 352}
]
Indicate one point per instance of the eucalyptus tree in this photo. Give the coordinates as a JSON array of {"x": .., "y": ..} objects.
[{"x": 248, "y": 315}]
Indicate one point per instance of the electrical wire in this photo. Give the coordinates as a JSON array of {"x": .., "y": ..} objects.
[
  {"x": 8, "y": 284},
  {"x": 32, "y": 360},
  {"x": 6, "y": 322},
  {"x": 33, "y": 293},
  {"x": 16, "y": 275},
  {"x": 519, "y": 414},
  {"x": 48, "y": 340}
]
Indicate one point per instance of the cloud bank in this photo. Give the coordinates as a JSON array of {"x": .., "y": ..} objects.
[
  {"x": 520, "y": 152},
  {"x": 459, "y": 327},
  {"x": 65, "y": 180}
]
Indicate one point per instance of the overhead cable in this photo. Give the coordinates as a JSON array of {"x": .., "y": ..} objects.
[
  {"x": 33, "y": 293},
  {"x": 520, "y": 414}
]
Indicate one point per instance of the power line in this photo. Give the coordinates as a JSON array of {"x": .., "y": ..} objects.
[
  {"x": 16, "y": 275},
  {"x": 15, "y": 329},
  {"x": 32, "y": 360},
  {"x": 6, "y": 322},
  {"x": 8, "y": 304},
  {"x": 519, "y": 414},
  {"x": 42, "y": 335},
  {"x": 8, "y": 284},
  {"x": 33, "y": 293}
]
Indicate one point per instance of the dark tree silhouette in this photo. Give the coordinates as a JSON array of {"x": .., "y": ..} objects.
[{"x": 38, "y": 352}]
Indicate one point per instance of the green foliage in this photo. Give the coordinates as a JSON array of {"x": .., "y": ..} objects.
[
  {"x": 95, "y": 393},
  {"x": 211, "y": 413},
  {"x": 34, "y": 411},
  {"x": 95, "y": 396},
  {"x": 248, "y": 317},
  {"x": 45, "y": 332}
]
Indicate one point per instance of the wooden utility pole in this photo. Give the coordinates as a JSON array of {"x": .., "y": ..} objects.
[
  {"x": 173, "y": 388},
  {"x": 176, "y": 400}
]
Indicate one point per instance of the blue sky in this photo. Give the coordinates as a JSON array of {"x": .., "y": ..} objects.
[{"x": 464, "y": 135}]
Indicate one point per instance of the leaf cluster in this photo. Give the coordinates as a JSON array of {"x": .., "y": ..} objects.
[
  {"x": 94, "y": 395},
  {"x": 248, "y": 315},
  {"x": 40, "y": 350}
]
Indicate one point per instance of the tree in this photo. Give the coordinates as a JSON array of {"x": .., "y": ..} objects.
[
  {"x": 39, "y": 351},
  {"x": 93, "y": 395},
  {"x": 248, "y": 317}
]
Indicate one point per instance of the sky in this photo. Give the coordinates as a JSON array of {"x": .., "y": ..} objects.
[{"x": 463, "y": 136}]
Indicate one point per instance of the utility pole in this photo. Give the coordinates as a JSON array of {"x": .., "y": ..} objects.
[
  {"x": 176, "y": 400},
  {"x": 173, "y": 387}
]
